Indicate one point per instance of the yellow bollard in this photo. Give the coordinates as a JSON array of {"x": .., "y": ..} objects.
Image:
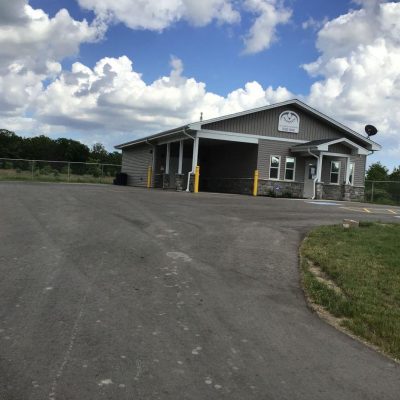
[
  {"x": 149, "y": 174},
  {"x": 196, "y": 179},
  {"x": 255, "y": 184}
]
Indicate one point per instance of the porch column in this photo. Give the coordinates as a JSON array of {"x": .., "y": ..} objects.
[
  {"x": 180, "y": 157},
  {"x": 319, "y": 167},
  {"x": 167, "y": 158},
  {"x": 348, "y": 171},
  {"x": 195, "y": 153}
]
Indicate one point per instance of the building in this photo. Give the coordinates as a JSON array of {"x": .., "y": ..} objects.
[{"x": 297, "y": 150}]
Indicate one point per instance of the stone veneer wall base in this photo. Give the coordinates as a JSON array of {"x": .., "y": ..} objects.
[{"x": 280, "y": 189}]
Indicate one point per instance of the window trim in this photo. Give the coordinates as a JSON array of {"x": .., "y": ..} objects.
[
  {"x": 294, "y": 169},
  {"x": 354, "y": 171},
  {"x": 338, "y": 173},
  {"x": 279, "y": 167}
]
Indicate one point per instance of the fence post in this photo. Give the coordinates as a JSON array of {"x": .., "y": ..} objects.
[
  {"x": 255, "y": 183},
  {"x": 196, "y": 179},
  {"x": 102, "y": 172},
  {"x": 372, "y": 192},
  {"x": 33, "y": 167},
  {"x": 69, "y": 171}
]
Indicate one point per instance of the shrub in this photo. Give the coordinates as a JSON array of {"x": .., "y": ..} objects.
[
  {"x": 7, "y": 165},
  {"x": 46, "y": 170}
]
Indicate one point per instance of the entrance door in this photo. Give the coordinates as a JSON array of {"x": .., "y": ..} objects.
[{"x": 310, "y": 174}]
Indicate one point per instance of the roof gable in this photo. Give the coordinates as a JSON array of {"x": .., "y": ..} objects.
[
  {"x": 324, "y": 146},
  {"x": 255, "y": 119}
]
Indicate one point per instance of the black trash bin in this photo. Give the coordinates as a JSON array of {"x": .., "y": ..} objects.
[{"x": 121, "y": 179}]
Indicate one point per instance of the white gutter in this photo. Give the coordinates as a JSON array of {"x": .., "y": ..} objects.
[
  {"x": 144, "y": 140},
  {"x": 191, "y": 172},
  {"x": 315, "y": 180}
]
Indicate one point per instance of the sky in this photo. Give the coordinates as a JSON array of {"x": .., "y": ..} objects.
[{"x": 111, "y": 71}]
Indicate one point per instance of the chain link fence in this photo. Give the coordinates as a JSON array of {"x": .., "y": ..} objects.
[
  {"x": 382, "y": 192},
  {"x": 57, "y": 171}
]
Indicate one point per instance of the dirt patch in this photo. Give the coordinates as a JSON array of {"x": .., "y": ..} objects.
[{"x": 320, "y": 276}]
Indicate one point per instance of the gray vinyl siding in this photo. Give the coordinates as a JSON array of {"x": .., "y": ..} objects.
[
  {"x": 359, "y": 169},
  {"x": 265, "y": 123},
  {"x": 268, "y": 148},
  {"x": 135, "y": 163},
  {"x": 339, "y": 148},
  {"x": 326, "y": 169}
]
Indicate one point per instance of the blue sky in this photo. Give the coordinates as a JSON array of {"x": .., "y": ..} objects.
[
  {"x": 114, "y": 70},
  {"x": 209, "y": 51}
]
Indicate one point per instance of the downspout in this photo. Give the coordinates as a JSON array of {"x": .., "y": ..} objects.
[
  {"x": 315, "y": 180},
  {"x": 191, "y": 172}
]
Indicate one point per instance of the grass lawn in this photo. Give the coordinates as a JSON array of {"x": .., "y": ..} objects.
[{"x": 363, "y": 265}]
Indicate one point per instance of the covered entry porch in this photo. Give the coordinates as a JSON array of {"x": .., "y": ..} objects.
[{"x": 332, "y": 169}]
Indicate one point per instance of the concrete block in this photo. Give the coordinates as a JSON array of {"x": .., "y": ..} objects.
[{"x": 350, "y": 223}]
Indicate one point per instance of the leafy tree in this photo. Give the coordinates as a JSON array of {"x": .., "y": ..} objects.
[
  {"x": 39, "y": 148},
  {"x": 71, "y": 150},
  {"x": 115, "y": 158},
  {"x": 45, "y": 148},
  {"x": 395, "y": 175},
  {"x": 377, "y": 172},
  {"x": 10, "y": 144},
  {"x": 99, "y": 153},
  {"x": 394, "y": 188}
]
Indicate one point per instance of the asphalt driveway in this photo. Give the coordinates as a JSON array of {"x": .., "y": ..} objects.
[{"x": 122, "y": 293}]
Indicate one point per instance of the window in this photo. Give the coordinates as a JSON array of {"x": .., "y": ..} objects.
[
  {"x": 335, "y": 172},
  {"x": 274, "y": 166},
  {"x": 290, "y": 167},
  {"x": 351, "y": 176}
]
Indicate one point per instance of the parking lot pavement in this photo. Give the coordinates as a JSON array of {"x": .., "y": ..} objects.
[{"x": 123, "y": 293}]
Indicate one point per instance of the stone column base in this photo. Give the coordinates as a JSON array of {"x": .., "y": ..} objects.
[
  {"x": 319, "y": 191},
  {"x": 191, "y": 183},
  {"x": 166, "y": 181},
  {"x": 179, "y": 182},
  {"x": 347, "y": 192}
]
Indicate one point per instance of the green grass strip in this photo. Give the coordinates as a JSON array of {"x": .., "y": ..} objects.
[{"x": 365, "y": 264}]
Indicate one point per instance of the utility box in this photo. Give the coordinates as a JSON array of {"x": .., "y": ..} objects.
[{"x": 121, "y": 179}]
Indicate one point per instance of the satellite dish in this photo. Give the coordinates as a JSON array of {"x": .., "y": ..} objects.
[{"x": 370, "y": 130}]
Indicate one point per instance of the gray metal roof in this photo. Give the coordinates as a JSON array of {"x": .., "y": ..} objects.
[{"x": 155, "y": 136}]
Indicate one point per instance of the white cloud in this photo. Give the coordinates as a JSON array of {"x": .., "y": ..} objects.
[
  {"x": 357, "y": 80},
  {"x": 31, "y": 47},
  {"x": 112, "y": 97},
  {"x": 314, "y": 24},
  {"x": 10, "y": 12},
  {"x": 358, "y": 70},
  {"x": 159, "y": 15},
  {"x": 270, "y": 13},
  {"x": 33, "y": 40}
]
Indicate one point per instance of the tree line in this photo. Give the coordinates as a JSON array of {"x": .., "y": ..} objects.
[
  {"x": 378, "y": 172},
  {"x": 62, "y": 149}
]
